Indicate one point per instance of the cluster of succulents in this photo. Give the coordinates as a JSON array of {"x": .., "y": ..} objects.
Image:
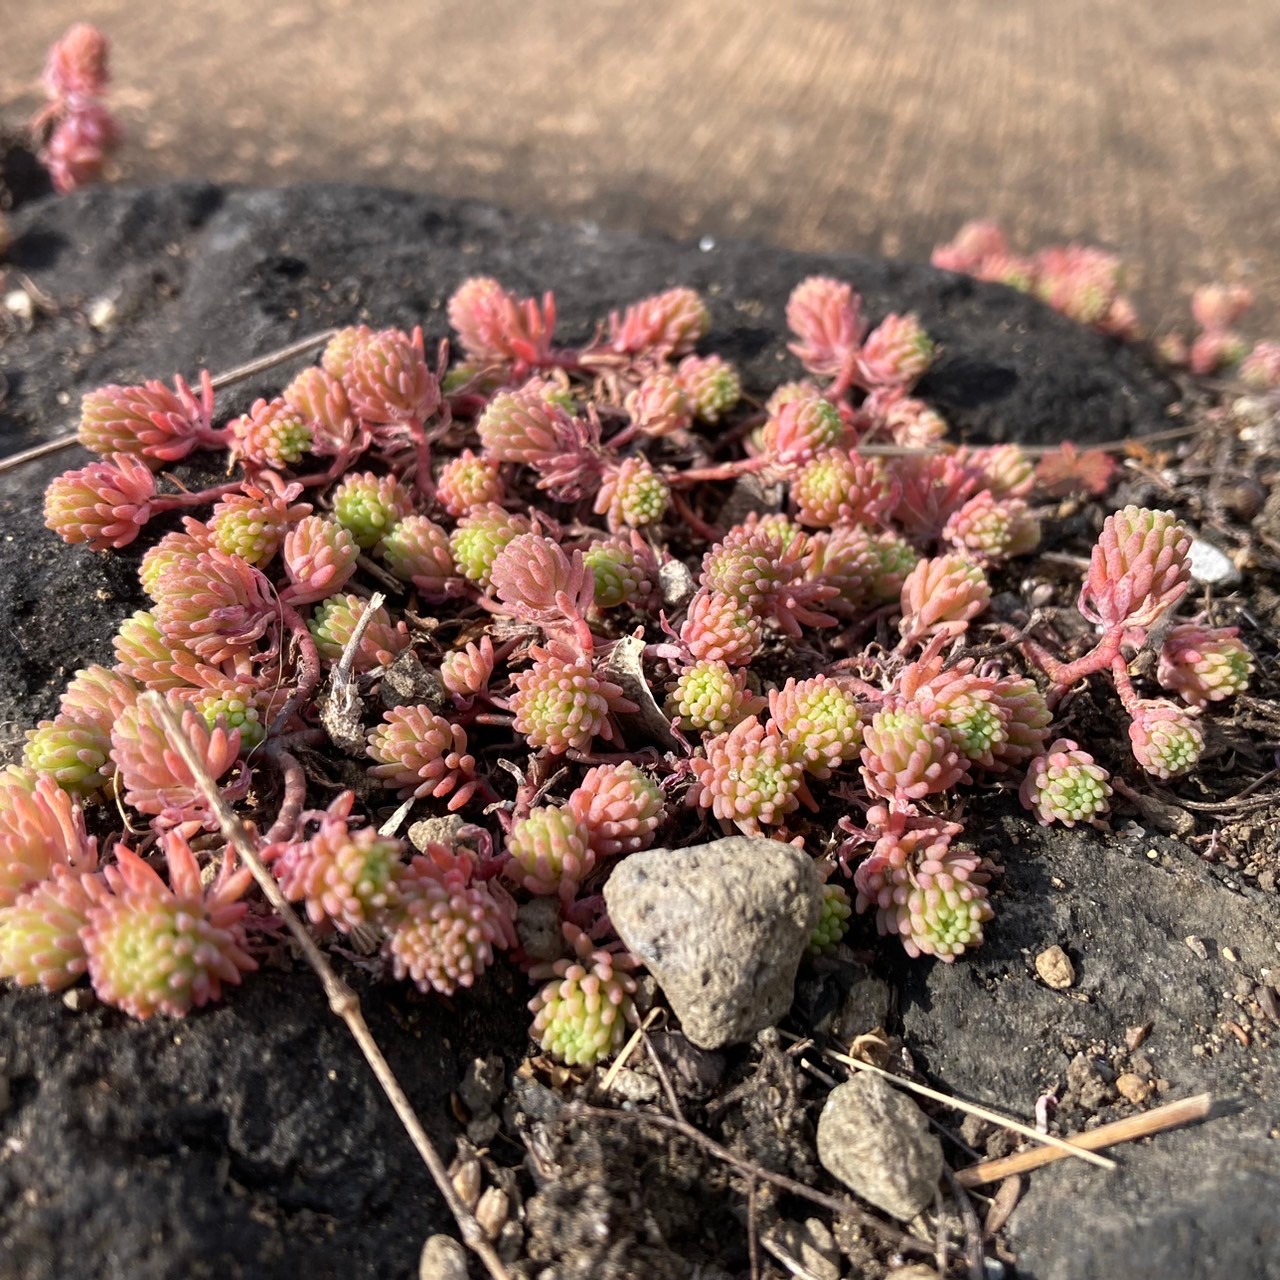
[
  {"x": 74, "y": 130},
  {"x": 543, "y": 519},
  {"x": 1084, "y": 283},
  {"x": 1081, "y": 281}
]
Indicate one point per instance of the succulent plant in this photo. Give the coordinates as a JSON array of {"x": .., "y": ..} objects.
[
  {"x": 104, "y": 504},
  {"x": 419, "y": 753},
  {"x": 418, "y": 550},
  {"x": 1204, "y": 664},
  {"x": 447, "y": 926},
  {"x": 272, "y": 434},
  {"x": 821, "y": 722},
  {"x": 369, "y": 506},
  {"x": 560, "y": 703},
  {"x": 1065, "y": 785},
  {"x": 748, "y": 777},
  {"x": 469, "y": 481},
  {"x": 550, "y": 852},
  {"x": 1138, "y": 568},
  {"x": 620, "y": 808},
  {"x": 711, "y": 697},
  {"x": 906, "y": 755},
  {"x": 711, "y": 386},
  {"x": 166, "y": 948},
  {"x": 344, "y": 877},
  {"x": 334, "y": 622},
  {"x": 663, "y": 326},
  {"x": 830, "y": 929},
  {"x": 582, "y": 1012}
]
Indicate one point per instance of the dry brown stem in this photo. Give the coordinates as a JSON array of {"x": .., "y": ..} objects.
[{"x": 343, "y": 1001}]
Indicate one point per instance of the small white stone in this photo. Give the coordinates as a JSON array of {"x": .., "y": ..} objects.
[
  {"x": 102, "y": 314},
  {"x": 19, "y": 303},
  {"x": 1210, "y": 565}
]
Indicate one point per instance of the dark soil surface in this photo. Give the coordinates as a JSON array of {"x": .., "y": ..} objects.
[{"x": 248, "y": 1141}]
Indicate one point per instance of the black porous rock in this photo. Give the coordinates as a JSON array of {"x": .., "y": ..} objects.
[{"x": 249, "y": 1140}]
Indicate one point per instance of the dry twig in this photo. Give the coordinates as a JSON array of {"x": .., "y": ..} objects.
[
  {"x": 343, "y": 1001},
  {"x": 1169, "y": 1116}
]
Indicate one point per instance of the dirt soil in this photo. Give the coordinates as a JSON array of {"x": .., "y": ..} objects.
[{"x": 248, "y": 1141}]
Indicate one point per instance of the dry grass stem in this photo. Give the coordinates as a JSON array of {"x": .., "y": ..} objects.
[
  {"x": 1169, "y": 1116},
  {"x": 342, "y": 999}
]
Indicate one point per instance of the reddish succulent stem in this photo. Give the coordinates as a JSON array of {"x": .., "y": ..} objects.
[
  {"x": 294, "y": 800},
  {"x": 309, "y": 670},
  {"x": 1065, "y": 674},
  {"x": 179, "y": 501},
  {"x": 423, "y": 489},
  {"x": 694, "y": 520},
  {"x": 1124, "y": 685},
  {"x": 725, "y": 471}
]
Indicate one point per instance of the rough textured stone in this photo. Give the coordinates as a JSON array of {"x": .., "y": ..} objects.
[
  {"x": 443, "y": 1258},
  {"x": 1055, "y": 968},
  {"x": 721, "y": 927},
  {"x": 879, "y": 1144}
]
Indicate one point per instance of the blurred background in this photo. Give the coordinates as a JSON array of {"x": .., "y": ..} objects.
[{"x": 1152, "y": 129}]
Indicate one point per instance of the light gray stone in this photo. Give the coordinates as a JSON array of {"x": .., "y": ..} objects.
[
  {"x": 721, "y": 927},
  {"x": 443, "y": 1258},
  {"x": 879, "y": 1144}
]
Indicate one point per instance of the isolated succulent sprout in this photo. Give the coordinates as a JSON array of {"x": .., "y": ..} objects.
[
  {"x": 582, "y": 1013},
  {"x": 1065, "y": 785},
  {"x": 830, "y": 929},
  {"x": 1165, "y": 737},
  {"x": 1138, "y": 568}
]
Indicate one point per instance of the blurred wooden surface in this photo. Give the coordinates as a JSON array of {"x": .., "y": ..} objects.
[{"x": 1151, "y": 128}]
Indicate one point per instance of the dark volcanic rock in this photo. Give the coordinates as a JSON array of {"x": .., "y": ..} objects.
[
  {"x": 249, "y": 1140},
  {"x": 1198, "y": 1203}
]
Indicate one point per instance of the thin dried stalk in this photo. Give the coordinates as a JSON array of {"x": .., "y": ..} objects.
[{"x": 343, "y": 1001}]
